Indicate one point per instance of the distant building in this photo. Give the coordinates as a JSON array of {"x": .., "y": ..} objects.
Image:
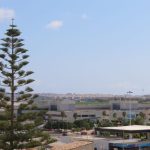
[
  {"x": 55, "y": 104},
  {"x": 124, "y": 105},
  {"x": 87, "y": 110}
]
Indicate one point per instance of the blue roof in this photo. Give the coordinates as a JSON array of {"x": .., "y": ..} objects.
[{"x": 140, "y": 144}]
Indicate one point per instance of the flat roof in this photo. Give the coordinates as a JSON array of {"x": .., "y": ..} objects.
[
  {"x": 89, "y": 137},
  {"x": 126, "y": 141},
  {"x": 71, "y": 145},
  {"x": 129, "y": 128}
]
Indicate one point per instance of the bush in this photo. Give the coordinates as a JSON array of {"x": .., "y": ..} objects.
[
  {"x": 77, "y": 125},
  {"x": 84, "y": 124},
  {"x": 58, "y": 125}
]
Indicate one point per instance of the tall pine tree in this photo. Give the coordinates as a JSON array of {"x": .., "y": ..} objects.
[{"x": 19, "y": 129}]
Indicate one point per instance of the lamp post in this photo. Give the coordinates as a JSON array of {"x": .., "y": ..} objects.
[
  {"x": 129, "y": 93},
  {"x": 123, "y": 139}
]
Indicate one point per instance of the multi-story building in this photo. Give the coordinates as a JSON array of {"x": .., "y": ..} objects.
[{"x": 112, "y": 110}]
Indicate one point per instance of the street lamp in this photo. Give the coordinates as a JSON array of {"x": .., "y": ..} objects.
[{"x": 129, "y": 93}]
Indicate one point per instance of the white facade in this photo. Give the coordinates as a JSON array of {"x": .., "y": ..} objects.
[
  {"x": 96, "y": 114},
  {"x": 55, "y": 105}
]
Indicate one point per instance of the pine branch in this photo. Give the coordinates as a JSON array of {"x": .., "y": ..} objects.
[
  {"x": 2, "y": 77},
  {"x": 4, "y": 85},
  {"x": 7, "y": 67},
  {"x": 22, "y": 76}
]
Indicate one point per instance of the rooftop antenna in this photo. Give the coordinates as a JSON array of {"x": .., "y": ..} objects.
[
  {"x": 12, "y": 21},
  {"x": 129, "y": 93}
]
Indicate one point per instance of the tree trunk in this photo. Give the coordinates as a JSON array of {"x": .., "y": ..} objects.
[{"x": 12, "y": 98}]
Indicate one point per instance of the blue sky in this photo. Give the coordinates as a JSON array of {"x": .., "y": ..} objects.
[{"x": 99, "y": 46}]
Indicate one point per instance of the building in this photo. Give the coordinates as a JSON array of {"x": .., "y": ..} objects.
[
  {"x": 98, "y": 111},
  {"x": 55, "y": 104},
  {"x": 126, "y": 137},
  {"x": 99, "y": 115}
]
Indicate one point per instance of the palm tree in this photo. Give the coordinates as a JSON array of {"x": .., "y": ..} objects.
[
  {"x": 124, "y": 114},
  {"x": 115, "y": 115},
  {"x": 104, "y": 113},
  {"x": 50, "y": 119},
  {"x": 62, "y": 116},
  {"x": 114, "y": 120},
  {"x": 75, "y": 115},
  {"x": 142, "y": 115}
]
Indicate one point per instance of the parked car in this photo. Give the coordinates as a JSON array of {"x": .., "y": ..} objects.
[
  {"x": 59, "y": 131},
  {"x": 66, "y": 133},
  {"x": 83, "y": 132}
]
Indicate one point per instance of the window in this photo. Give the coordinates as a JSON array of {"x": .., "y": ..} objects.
[
  {"x": 116, "y": 106},
  {"x": 53, "y": 107},
  {"x": 92, "y": 116},
  {"x": 84, "y": 115}
]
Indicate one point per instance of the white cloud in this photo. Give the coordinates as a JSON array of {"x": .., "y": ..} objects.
[
  {"x": 6, "y": 14},
  {"x": 84, "y": 16},
  {"x": 55, "y": 24}
]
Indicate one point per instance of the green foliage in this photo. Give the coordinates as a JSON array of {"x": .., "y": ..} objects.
[
  {"x": 77, "y": 125},
  {"x": 63, "y": 115},
  {"x": 59, "y": 125},
  {"x": 142, "y": 115},
  {"x": 17, "y": 131},
  {"x": 104, "y": 113},
  {"x": 105, "y": 123},
  {"x": 75, "y": 115},
  {"x": 139, "y": 120},
  {"x": 124, "y": 114},
  {"x": 85, "y": 124},
  {"x": 114, "y": 115}
]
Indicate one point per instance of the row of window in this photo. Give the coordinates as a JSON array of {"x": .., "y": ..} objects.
[{"x": 86, "y": 116}]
